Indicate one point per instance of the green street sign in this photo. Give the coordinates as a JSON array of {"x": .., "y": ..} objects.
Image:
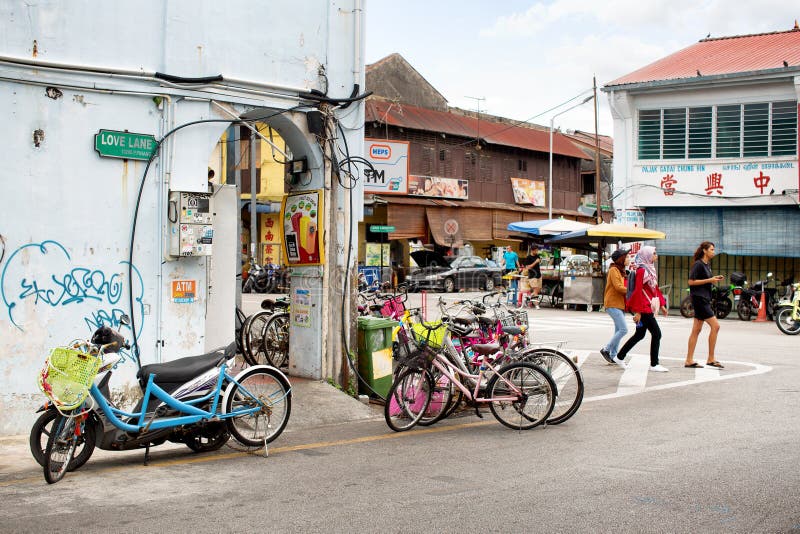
[
  {"x": 381, "y": 229},
  {"x": 125, "y": 145}
]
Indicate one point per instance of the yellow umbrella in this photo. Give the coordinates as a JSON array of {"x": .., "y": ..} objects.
[{"x": 607, "y": 233}]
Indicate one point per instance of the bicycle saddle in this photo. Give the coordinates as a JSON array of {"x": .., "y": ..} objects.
[
  {"x": 184, "y": 369},
  {"x": 512, "y": 330},
  {"x": 485, "y": 349}
]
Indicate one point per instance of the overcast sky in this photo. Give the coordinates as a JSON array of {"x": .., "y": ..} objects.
[{"x": 525, "y": 57}]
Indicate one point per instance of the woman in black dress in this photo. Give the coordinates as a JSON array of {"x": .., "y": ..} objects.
[{"x": 700, "y": 280}]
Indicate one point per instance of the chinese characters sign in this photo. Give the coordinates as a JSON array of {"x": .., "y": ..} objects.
[
  {"x": 695, "y": 184},
  {"x": 389, "y": 160}
]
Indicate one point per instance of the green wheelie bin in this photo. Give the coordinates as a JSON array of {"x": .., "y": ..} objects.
[{"x": 375, "y": 355}]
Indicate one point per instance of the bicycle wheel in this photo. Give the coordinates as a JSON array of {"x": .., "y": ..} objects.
[
  {"x": 40, "y": 433},
  {"x": 254, "y": 336},
  {"x": 408, "y": 399},
  {"x": 60, "y": 448},
  {"x": 271, "y": 394},
  {"x": 566, "y": 376},
  {"x": 276, "y": 340},
  {"x": 535, "y": 403},
  {"x": 441, "y": 398}
]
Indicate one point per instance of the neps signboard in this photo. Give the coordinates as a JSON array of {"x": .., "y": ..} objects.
[{"x": 126, "y": 145}]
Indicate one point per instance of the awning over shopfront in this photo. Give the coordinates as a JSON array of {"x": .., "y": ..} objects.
[{"x": 477, "y": 221}]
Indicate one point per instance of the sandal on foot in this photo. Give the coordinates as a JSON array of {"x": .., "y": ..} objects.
[
  {"x": 694, "y": 365},
  {"x": 715, "y": 364}
]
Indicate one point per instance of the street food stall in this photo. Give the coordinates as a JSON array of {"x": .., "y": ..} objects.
[
  {"x": 584, "y": 279},
  {"x": 550, "y": 266}
]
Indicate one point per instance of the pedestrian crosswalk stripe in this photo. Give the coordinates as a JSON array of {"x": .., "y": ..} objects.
[{"x": 634, "y": 379}]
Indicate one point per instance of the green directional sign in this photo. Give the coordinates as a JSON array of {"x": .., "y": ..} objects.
[
  {"x": 381, "y": 229},
  {"x": 125, "y": 145}
]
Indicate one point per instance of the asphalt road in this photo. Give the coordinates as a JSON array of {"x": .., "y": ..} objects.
[{"x": 680, "y": 454}]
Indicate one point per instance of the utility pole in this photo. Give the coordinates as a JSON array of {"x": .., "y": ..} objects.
[
  {"x": 597, "y": 168},
  {"x": 478, "y": 100}
]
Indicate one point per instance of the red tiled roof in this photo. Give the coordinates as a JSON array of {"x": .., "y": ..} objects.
[
  {"x": 719, "y": 56},
  {"x": 496, "y": 133}
]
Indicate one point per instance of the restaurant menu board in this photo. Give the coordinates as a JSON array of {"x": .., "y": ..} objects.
[{"x": 301, "y": 214}]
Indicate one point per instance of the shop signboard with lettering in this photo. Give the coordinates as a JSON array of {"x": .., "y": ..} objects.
[
  {"x": 389, "y": 172},
  {"x": 715, "y": 183}
]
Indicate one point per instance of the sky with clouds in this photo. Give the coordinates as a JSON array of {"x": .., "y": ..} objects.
[{"x": 526, "y": 57}]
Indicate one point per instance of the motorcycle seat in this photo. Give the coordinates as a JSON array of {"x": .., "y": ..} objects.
[
  {"x": 184, "y": 369},
  {"x": 512, "y": 330}
]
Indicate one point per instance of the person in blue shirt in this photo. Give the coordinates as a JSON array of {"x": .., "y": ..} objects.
[{"x": 511, "y": 263}]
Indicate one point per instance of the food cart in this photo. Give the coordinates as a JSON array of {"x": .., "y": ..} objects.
[{"x": 583, "y": 282}]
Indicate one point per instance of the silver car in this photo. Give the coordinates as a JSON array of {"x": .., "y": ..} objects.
[{"x": 450, "y": 273}]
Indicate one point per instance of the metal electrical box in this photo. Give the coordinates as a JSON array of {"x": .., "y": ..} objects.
[{"x": 191, "y": 223}]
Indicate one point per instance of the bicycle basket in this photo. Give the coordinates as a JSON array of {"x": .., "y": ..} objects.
[
  {"x": 67, "y": 376},
  {"x": 394, "y": 307},
  {"x": 434, "y": 338},
  {"x": 518, "y": 318},
  {"x": 402, "y": 346}
]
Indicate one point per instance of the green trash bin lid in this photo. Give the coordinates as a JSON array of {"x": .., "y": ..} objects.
[{"x": 375, "y": 323}]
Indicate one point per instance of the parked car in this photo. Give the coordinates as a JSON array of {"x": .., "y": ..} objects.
[{"x": 449, "y": 273}]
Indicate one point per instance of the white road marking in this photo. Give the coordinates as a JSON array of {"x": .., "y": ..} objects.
[
  {"x": 634, "y": 378},
  {"x": 755, "y": 369}
]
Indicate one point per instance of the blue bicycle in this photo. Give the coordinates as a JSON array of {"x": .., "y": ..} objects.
[{"x": 190, "y": 397}]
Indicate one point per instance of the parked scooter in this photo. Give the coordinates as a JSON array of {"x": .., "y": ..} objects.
[
  {"x": 179, "y": 378},
  {"x": 261, "y": 279},
  {"x": 787, "y": 314},
  {"x": 750, "y": 299},
  {"x": 720, "y": 302}
]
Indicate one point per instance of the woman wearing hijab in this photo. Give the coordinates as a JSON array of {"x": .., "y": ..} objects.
[
  {"x": 644, "y": 302},
  {"x": 614, "y": 303}
]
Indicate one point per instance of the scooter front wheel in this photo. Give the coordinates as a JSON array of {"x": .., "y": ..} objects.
[
  {"x": 723, "y": 308},
  {"x": 787, "y": 325},
  {"x": 743, "y": 310},
  {"x": 687, "y": 309}
]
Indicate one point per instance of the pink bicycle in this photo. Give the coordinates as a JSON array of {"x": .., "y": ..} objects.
[{"x": 520, "y": 395}]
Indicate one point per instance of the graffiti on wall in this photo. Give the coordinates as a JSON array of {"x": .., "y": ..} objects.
[{"x": 44, "y": 274}]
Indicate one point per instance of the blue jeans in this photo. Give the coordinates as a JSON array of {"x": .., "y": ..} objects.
[{"x": 620, "y": 329}]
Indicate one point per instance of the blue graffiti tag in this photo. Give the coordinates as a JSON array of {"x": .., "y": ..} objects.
[{"x": 64, "y": 285}]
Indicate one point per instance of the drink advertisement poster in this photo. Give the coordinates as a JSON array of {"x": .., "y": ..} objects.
[
  {"x": 301, "y": 214},
  {"x": 528, "y": 191}
]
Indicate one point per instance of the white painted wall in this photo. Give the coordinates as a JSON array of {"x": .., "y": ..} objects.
[
  {"x": 637, "y": 183},
  {"x": 66, "y": 213}
]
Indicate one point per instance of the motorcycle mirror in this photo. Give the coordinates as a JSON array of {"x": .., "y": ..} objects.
[{"x": 124, "y": 319}]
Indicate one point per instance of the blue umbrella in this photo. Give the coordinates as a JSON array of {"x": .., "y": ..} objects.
[{"x": 547, "y": 226}]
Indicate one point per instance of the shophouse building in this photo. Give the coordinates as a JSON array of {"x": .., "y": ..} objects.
[
  {"x": 706, "y": 149},
  {"x": 436, "y": 164}
]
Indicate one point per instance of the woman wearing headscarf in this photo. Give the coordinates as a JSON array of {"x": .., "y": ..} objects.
[{"x": 644, "y": 302}]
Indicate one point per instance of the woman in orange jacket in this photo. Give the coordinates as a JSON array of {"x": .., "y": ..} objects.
[
  {"x": 644, "y": 302},
  {"x": 614, "y": 303}
]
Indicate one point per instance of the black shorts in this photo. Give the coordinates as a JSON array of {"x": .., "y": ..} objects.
[{"x": 702, "y": 308}]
